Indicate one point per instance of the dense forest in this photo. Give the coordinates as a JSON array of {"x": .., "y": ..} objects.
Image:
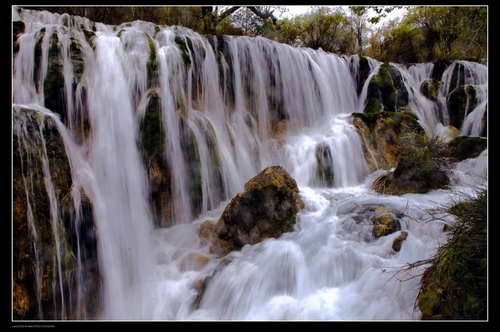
[{"x": 421, "y": 34}]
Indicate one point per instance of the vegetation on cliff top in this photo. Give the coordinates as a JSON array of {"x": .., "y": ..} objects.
[{"x": 422, "y": 34}]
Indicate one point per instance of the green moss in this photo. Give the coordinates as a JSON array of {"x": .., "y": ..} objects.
[
  {"x": 152, "y": 131},
  {"x": 77, "y": 61},
  {"x": 388, "y": 87},
  {"x": 405, "y": 123},
  {"x": 54, "y": 252},
  {"x": 194, "y": 175},
  {"x": 464, "y": 147},
  {"x": 369, "y": 118},
  {"x": 389, "y": 121},
  {"x": 430, "y": 88},
  {"x": 373, "y": 106},
  {"x": 54, "y": 79},
  {"x": 191, "y": 154},
  {"x": 197, "y": 49},
  {"x": 152, "y": 65},
  {"x": 380, "y": 230},
  {"x": 213, "y": 145},
  {"x": 200, "y": 291},
  {"x": 184, "y": 49}
]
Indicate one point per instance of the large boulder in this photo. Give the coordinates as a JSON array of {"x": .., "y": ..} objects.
[{"x": 266, "y": 209}]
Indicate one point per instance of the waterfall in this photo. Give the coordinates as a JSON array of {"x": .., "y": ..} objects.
[
  {"x": 125, "y": 235},
  {"x": 426, "y": 109},
  {"x": 163, "y": 127},
  {"x": 466, "y": 73}
]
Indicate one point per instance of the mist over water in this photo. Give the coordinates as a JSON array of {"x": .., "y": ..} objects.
[{"x": 228, "y": 93}]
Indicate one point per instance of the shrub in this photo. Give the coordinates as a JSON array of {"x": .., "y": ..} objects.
[
  {"x": 455, "y": 285},
  {"x": 422, "y": 165}
]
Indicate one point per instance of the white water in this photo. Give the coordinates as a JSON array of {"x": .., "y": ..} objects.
[{"x": 328, "y": 268}]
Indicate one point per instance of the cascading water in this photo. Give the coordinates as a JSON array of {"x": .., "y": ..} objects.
[
  {"x": 227, "y": 108},
  {"x": 473, "y": 74},
  {"x": 125, "y": 237}
]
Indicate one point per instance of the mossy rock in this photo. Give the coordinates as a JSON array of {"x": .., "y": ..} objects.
[
  {"x": 430, "y": 89},
  {"x": 383, "y": 132},
  {"x": 36, "y": 145},
  {"x": 266, "y": 209},
  {"x": 457, "y": 77},
  {"x": 465, "y": 147},
  {"x": 410, "y": 179},
  {"x": 439, "y": 68},
  {"x": 420, "y": 166},
  {"x": 324, "y": 160},
  {"x": 388, "y": 87},
  {"x": 374, "y": 105},
  {"x": 17, "y": 29},
  {"x": 384, "y": 224},
  {"x": 151, "y": 130},
  {"x": 184, "y": 50},
  {"x": 460, "y": 102},
  {"x": 363, "y": 73}
]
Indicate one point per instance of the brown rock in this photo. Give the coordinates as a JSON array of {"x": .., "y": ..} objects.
[
  {"x": 266, "y": 209},
  {"x": 205, "y": 232},
  {"x": 398, "y": 242}
]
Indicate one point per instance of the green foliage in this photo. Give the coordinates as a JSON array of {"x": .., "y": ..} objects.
[
  {"x": 421, "y": 165},
  {"x": 365, "y": 11},
  {"x": 400, "y": 44},
  {"x": 290, "y": 32},
  {"x": 455, "y": 285},
  {"x": 451, "y": 32},
  {"x": 323, "y": 28},
  {"x": 422, "y": 155}
]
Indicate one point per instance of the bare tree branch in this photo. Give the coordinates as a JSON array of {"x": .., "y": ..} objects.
[
  {"x": 227, "y": 12},
  {"x": 263, "y": 15}
]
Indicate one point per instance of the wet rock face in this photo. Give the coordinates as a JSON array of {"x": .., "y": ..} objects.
[
  {"x": 383, "y": 132},
  {"x": 266, "y": 209},
  {"x": 71, "y": 252},
  {"x": 386, "y": 91}
]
